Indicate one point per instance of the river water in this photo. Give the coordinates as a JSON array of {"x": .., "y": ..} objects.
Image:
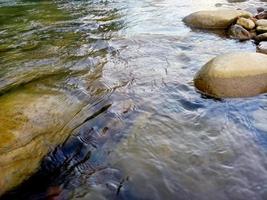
[{"x": 149, "y": 134}]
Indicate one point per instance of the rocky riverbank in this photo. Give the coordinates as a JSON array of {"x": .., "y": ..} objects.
[{"x": 234, "y": 74}]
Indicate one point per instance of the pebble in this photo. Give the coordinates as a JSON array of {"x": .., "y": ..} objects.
[
  {"x": 261, "y": 29},
  {"x": 238, "y": 32},
  {"x": 261, "y": 22},
  {"x": 246, "y": 23}
]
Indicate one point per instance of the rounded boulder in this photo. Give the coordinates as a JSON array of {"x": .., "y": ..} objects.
[
  {"x": 215, "y": 19},
  {"x": 233, "y": 75}
]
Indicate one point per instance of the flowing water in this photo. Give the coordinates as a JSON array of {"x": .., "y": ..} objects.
[{"x": 148, "y": 133}]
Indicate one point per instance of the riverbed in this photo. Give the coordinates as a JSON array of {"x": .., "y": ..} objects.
[{"x": 145, "y": 131}]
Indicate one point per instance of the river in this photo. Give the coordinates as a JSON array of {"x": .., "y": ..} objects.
[{"x": 148, "y": 134}]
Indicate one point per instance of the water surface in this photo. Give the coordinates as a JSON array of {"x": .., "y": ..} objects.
[{"x": 149, "y": 134}]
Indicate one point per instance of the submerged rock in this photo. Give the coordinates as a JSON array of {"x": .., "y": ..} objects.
[
  {"x": 33, "y": 120},
  {"x": 233, "y": 75},
  {"x": 215, "y": 19},
  {"x": 261, "y": 37},
  {"x": 246, "y": 23},
  {"x": 240, "y": 33}
]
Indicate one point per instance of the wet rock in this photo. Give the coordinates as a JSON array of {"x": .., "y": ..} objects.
[
  {"x": 233, "y": 75},
  {"x": 253, "y": 33},
  {"x": 246, "y": 23},
  {"x": 214, "y": 19},
  {"x": 33, "y": 120},
  {"x": 260, "y": 9},
  {"x": 261, "y": 22},
  {"x": 218, "y": 5},
  {"x": 261, "y": 15},
  {"x": 261, "y": 37},
  {"x": 262, "y": 47},
  {"x": 240, "y": 33},
  {"x": 261, "y": 29},
  {"x": 12, "y": 79}
]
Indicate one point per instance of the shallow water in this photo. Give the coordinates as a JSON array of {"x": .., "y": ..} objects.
[{"x": 148, "y": 133}]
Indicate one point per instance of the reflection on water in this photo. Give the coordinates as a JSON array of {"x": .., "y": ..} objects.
[{"x": 148, "y": 134}]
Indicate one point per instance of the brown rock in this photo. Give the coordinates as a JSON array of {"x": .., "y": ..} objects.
[
  {"x": 33, "y": 121},
  {"x": 214, "y": 19},
  {"x": 261, "y": 37},
  {"x": 261, "y": 22},
  {"x": 240, "y": 33},
  {"x": 261, "y": 29},
  {"x": 246, "y": 23},
  {"x": 233, "y": 75}
]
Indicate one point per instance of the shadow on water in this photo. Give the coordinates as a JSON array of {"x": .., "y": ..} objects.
[{"x": 82, "y": 161}]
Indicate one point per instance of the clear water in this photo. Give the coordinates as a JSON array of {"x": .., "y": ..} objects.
[{"x": 149, "y": 133}]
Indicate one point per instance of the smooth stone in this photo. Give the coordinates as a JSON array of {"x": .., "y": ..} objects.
[
  {"x": 262, "y": 47},
  {"x": 33, "y": 121},
  {"x": 261, "y": 37},
  {"x": 261, "y": 22},
  {"x": 218, "y": 5},
  {"x": 233, "y": 75},
  {"x": 214, "y": 19},
  {"x": 261, "y": 29},
  {"x": 240, "y": 33},
  {"x": 246, "y": 23}
]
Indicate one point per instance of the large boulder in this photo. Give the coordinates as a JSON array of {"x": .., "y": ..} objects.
[
  {"x": 215, "y": 19},
  {"x": 33, "y": 121},
  {"x": 233, "y": 75}
]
